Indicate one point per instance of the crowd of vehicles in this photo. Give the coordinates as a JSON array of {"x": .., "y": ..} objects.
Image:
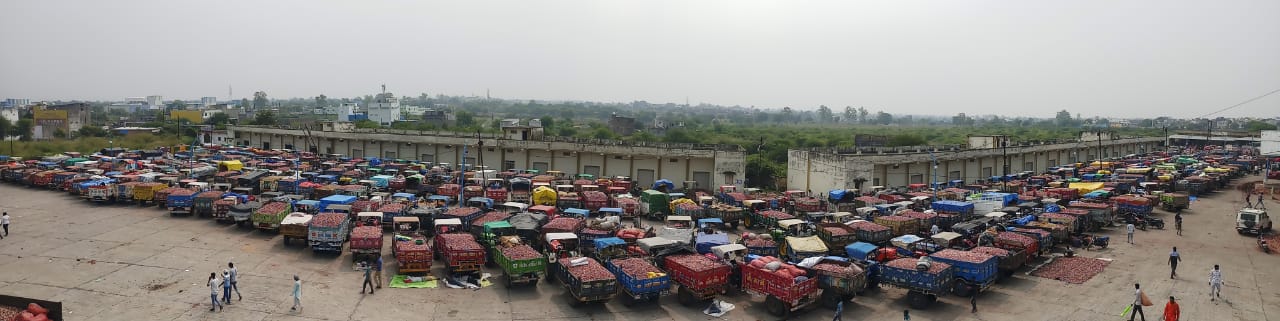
[{"x": 590, "y": 234}]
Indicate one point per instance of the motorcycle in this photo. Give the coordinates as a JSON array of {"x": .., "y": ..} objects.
[{"x": 1262, "y": 243}]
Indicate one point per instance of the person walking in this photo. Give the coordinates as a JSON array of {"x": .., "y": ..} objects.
[
  {"x": 226, "y": 287},
  {"x": 1128, "y": 229},
  {"x": 906, "y": 315},
  {"x": 839, "y": 310},
  {"x": 213, "y": 291},
  {"x": 1177, "y": 221},
  {"x": 4, "y": 221},
  {"x": 235, "y": 275},
  {"x": 297, "y": 294},
  {"x": 1137, "y": 303},
  {"x": 368, "y": 277},
  {"x": 377, "y": 273},
  {"x": 1174, "y": 258},
  {"x": 973, "y": 300},
  {"x": 1171, "y": 310},
  {"x": 1215, "y": 283}
]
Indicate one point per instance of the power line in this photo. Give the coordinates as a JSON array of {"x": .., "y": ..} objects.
[{"x": 1241, "y": 103}]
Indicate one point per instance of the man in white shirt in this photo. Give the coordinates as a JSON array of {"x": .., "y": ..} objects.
[
  {"x": 4, "y": 221},
  {"x": 1215, "y": 283},
  {"x": 1129, "y": 231},
  {"x": 297, "y": 293},
  {"x": 234, "y": 277},
  {"x": 934, "y": 230},
  {"x": 213, "y": 290}
]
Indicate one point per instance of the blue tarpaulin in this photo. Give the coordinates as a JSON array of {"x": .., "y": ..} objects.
[
  {"x": 859, "y": 250},
  {"x": 836, "y": 194},
  {"x": 664, "y": 182},
  {"x": 602, "y": 243},
  {"x": 1025, "y": 220}
]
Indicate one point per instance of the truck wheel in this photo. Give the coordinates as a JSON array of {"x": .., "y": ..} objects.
[
  {"x": 627, "y": 300},
  {"x": 573, "y": 302},
  {"x": 830, "y": 299},
  {"x": 685, "y": 297},
  {"x": 959, "y": 288},
  {"x": 917, "y": 300},
  {"x": 734, "y": 225},
  {"x": 776, "y": 307},
  {"x": 508, "y": 277}
]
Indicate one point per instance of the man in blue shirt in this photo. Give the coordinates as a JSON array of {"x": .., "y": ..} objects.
[
  {"x": 368, "y": 277},
  {"x": 839, "y": 310}
]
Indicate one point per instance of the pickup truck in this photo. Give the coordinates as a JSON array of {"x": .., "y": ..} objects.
[
  {"x": 923, "y": 286},
  {"x": 783, "y": 293},
  {"x": 698, "y": 277},
  {"x": 180, "y": 202},
  {"x": 974, "y": 271},
  {"x": 366, "y": 243},
  {"x": 460, "y": 251},
  {"x": 587, "y": 282},
  {"x": 327, "y": 232},
  {"x": 639, "y": 280}
]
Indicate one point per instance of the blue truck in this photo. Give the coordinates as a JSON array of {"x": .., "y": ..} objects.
[
  {"x": 336, "y": 200},
  {"x": 923, "y": 285},
  {"x": 974, "y": 272},
  {"x": 180, "y": 203},
  {"x": 639, "y": 288}
]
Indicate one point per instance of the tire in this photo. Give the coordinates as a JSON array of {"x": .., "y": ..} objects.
[
  {"x": 830, "y": 299},
  {"x": 627, "y": 300},
  {"x": 573, "y": 302},
  {"x": 960, "y": 288},
  {"x": 917, "y": 300},
  {"x": 685, "y": 297},
  {"x": 776, "y": 307}
]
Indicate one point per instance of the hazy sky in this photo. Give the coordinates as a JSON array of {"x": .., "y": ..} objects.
[{"x": 1111, "y": 58}]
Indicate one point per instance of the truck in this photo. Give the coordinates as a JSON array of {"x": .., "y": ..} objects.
[
  {"x": 101, "y": 193},
  {"x": 327, "y": 231},
  {"x": 795, "y": 249},
  {"x": 1253, "y": 221},
  {"x": 294, "y": 226},
  {"x": 585, "y": 280},
  {"x": 639, "y": 280},
  {"x": 269, "y": 216},
  {"x": 520, "y": 263},
  {"x": 410, "y": 247},
  {"x": 366, "y": 243},
  {"x": 146, "y": 192},
  {"x": 836, "y": 236},
  {"x": 697, "y": 277},
  {"x": 974, "y": 271},
  {"x": 784, "y": 293},
  {"x": 729, "y": 194},
  {"x": 923, "y": 285},
  {"x": 491, "y": 234},
  {"x": 464, "y": 214},
  {"x": 242, "y": 213},
  {"x": 802, "y": 202},
  {"x": 730, "y": 214},
  {"x": 766, "y": 218},
  {"x": 179, "y": 202},
  {"x": 1009, "y": 260},
  {"x": 202, "y": 205},
  {"x": 460, "y": 252},
  {"x": 703, "y": 242},
  {"x": 1174, "y": 202},
  {"x": 654, "y": 204},
  {"x": 839, "y": 280}
]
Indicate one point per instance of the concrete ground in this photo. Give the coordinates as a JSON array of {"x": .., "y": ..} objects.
[{"x": 131, "y": 263}]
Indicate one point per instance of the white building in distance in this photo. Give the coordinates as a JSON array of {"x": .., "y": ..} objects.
[{"x": 385, "y": 109}]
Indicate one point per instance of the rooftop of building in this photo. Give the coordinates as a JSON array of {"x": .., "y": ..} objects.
[{"x": 500, "y": 136}]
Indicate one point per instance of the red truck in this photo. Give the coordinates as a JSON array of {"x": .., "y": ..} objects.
[
  {"x": 801, "y": 202},
  {"x": 460, "y": 252},
  {"x": 594, "y": 200},
  {"x": 698, "y": 277},
  {"x": 366, "y": 243},
  {"x": 783, "y": 294}
]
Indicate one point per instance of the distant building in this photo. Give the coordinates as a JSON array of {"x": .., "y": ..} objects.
[
  {"x": 191, "y": 116},
  {"x": 208, "y": 101},
  {"x": 622, "y": 125},
  {"x": 126, "y": 107},
  {"x": 155, "y": 100},
  {"x": 68, "y": 118},
  {"x": 385, "y": 109},
  {"x": 126, "y": 131},
  {"x": 9, "y": 113},
  {"x": 511, "y": 129},
  {"x": 17, "y": 102},
  {"x": 214, "y": 136},
  {"x": 346, "y": 112},
  {"x": 438, "y": 118}
]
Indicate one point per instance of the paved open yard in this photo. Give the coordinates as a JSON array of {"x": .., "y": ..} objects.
[{"x": 131, "y": 263}]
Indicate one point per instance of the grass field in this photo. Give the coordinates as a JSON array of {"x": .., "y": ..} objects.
[{"x": 86, "y": 145}]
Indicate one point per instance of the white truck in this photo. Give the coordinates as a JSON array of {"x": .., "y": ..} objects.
[{"x": 1252, "y": 220}]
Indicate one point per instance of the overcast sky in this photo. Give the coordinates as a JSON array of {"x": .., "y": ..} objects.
[{"x": 1180, "y": 58}]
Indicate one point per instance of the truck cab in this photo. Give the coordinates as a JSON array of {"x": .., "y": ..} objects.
[
  {"x": 448, "y": 225},
  {"x": 560, "y": 245},
  {"x": 369, "y": 218},
  {"x": 549, "y": 211},
  {"x": 1252, "y": 220}
]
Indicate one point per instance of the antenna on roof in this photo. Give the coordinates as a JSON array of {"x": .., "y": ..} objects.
[{"x": 384, "y": 88}]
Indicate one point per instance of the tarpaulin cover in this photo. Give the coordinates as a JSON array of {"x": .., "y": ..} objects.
[
  {"x": 836, "y": 194},
  {"x": 811, "y": 244},
  {"x": 602, "y": 243}
]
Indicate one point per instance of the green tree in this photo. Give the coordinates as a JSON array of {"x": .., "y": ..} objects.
[
  {"x": 365, "y": 123},
  {"x": 603, "y": 133},
  {"x": 824, "y": 114},
  {"x": 1063, "y": 119},
  {"x": 644, "y": 137},
  {"x": 465, "y": 119},
  {"x": 547, "y": 121},
  {"x": 850, "y": 114},
  {"x": 322, "y": 101},
  {"x": 24, "y": 127},
  {"x": 679, "y": 135},
  {"x": 862, "y": 115},
  {"x": 6, "y": 128},
  {"x": 218, "y": 119},
  {"x": 244, "y": 103},
  {"x": 907, "y": 140},
  {"x": 1254, "y": 126},
  {"x": 265, "y": 118},
  {"x": 786, "y": 114},
  {"x": 260, "y": 100},
  {"x": 91, "y": 131}
]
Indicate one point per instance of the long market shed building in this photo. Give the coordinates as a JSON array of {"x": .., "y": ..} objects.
[
  {"x": 518, "y": 147},
  {"x": 821, "y": 170}
]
